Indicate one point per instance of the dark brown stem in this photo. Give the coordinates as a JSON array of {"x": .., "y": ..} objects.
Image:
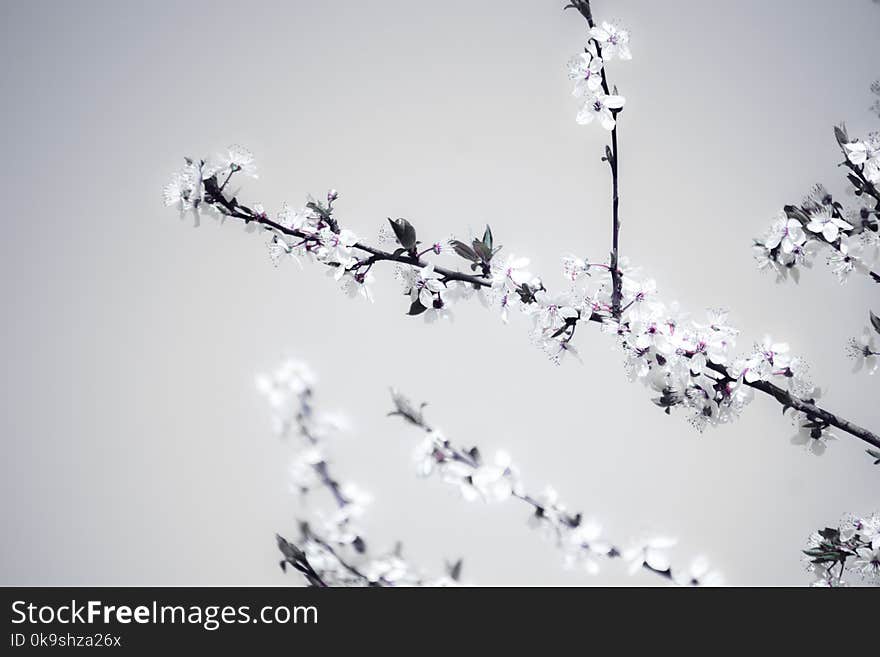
[
  {"x": 612, "y": 155},
  {"x": 231, "y": 208},
  {"x": 464, "y": 456}
]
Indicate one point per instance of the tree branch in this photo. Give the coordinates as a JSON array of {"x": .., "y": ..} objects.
[{"x": 502, "y": 481}]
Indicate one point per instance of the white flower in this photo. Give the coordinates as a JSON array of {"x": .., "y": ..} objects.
[
  {"x": 699, "y": 574},
  {"x": 867, "y": 155},
  {"x": 426, "y": 284},
  {"x": 497, "y": 482},
  {"x": 822, "y": 221},
  {"x": 865, "y": 351},
  {"x": 552, "y": 311},
  {"x": 336, "y": 247},
  {"x": 358, "y": 284},
  {"x": 511, "y": 274},
  {"x": 869, "y": 530},
  {"x": 844, "y": 260},
  {"x": 599, "y": 105},
  {"x": 297, "y": 219},
  {"x": 765, "y": 261},
  {"x": 574, "y": 268},
  {"x": 651, "y": 553},
  {"x": 302, "y": 468},
  {"x": 238, "y": 158},
  {"x": 426, "y": 454},
  {"x": 812, "y": 440},
  {"x": 614, "y": 41},
  {"x": 867, "y": 561},
  {"x": 586, "y": 71},
  {"x": 787, "y": 233},
  {"x": 185, "y": 188},
  {"x": 278, "y": 248}
]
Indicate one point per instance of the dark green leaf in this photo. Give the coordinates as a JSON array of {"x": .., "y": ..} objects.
[
  {"x": 875, "y": 321},
  {"x": 487, "y": 238},
  {"x": 416, "y": 308},
  {"x": 404, "y": 231},
  {"x": 465, "y": 251},
  {"x": 484, "y": 254},
  {"x": 830, "y": 533}
]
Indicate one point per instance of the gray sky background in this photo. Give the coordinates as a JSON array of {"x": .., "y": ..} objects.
[{"x": 136, "y": 450}]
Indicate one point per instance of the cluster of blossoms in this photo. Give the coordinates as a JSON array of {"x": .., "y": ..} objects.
[
  {"x": 332, "y": 550},
  {"x": 849, "y": 234},
  {"x": 579, "y": 540},
  {"x": 837, "y": 555},
  {"x": 587, "y": 71},
  {"x": 689, "y": 364}
]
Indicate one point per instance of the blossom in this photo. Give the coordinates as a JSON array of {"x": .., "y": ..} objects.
[
  {"x": 785, "y": 233},
  {"x": 425, "y": 285},
  {"x": 650, "y": 553},
  {"x": 185, "y": 188},
  {"x": 511, "y": 274},
  {"x": 844, "y": 260},
  {"x": 699, "y": 573},
  {"x": 586, "y": 71},
  {"x": 574, "y": 268},
  {"x": 824, "y": 222},
  {"x": 335, "y": 247},
  {"x": 812, "y": 439},
  {"x": 278, "y": 248},
  {"x": 867, "y": 561},
  {"x": 867, "y": 155},
  {"x": 600, "y": 105},
  {"x": 865, "y": 351},
  {"x": 291, "y": 219},
  {"x": 613, "y": 39},
  {"x": 496, "y": 482},
  {"x": 552, "y": 310},
  {"x": 302, "y": 469},
  {"x": 359, "y": 283},
  {"x": 238, "y": 158}
]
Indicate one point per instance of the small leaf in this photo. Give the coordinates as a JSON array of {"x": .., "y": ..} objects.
[
  {"x": 875, "y": 321},
  {"x": 487, "y": 238},
  {"x": 416, "y": 308},
  {"x": 289, "y": 550},
  {"x": 874, "y": 454},
  {"x": 840, "y": 134},
  {"x": 465, "y": 251},
  {"x": 404, "y": 232},
  {"x": 484, "y": 254},
  {"x": 454, "y": 570},
  {"x": 830, "y": 533}
]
